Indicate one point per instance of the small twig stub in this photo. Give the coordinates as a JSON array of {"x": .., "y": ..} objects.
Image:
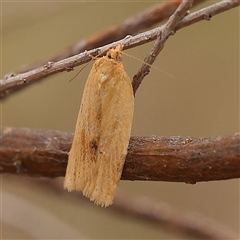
[{"x": 102, "y": 131}]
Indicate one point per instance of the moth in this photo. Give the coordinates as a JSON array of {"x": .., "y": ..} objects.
[{"x": 102, "y": 132}]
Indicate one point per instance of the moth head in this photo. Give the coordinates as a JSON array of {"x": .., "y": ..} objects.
[{"x": 116, "y": 53}]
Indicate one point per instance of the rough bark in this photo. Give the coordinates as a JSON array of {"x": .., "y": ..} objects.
[{"x": 42, "y": 153}]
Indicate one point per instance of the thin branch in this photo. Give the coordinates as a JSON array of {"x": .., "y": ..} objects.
[
  {"x": 175, "y": 24},
  {"x": 130, "y": 26},
  {"x": 173, "y": 159},
  {"x": 208, "y": 12},
  {"x": 191, "y": 225},
  {"x": 157, "y": 214},
  {"x": 13, "y": 82},
  {"x": 164, "y": 33}
]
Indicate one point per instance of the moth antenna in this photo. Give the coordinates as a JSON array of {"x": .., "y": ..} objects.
[
  {"x": 131, "y": 56},
  {"x": 93, "y": 58},
  {"x": 78, "y": 72}
]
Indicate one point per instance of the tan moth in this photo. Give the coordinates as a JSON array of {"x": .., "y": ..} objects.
[{"x": 102, "y": 131}]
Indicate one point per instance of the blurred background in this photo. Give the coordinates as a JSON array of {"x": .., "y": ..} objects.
[{"x": 201, "y": 99}]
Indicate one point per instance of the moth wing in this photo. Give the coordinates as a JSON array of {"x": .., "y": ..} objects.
[
  {"x": 82, "y": 156},
  {"x": 117, "y": 104}
]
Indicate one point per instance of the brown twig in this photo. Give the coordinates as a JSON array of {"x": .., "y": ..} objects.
[
  {"x": 208, "y": 12},
  {"x": 163, "y": 35},
  {"x": 161, "y": 215},
  {"x": 13, "y": 82},
  {"x": 132, "y": 25},
  {"x": 173, "y": 159},
  {"x": 191, "y": 225},
  {"x": 175, "y": 23}
]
